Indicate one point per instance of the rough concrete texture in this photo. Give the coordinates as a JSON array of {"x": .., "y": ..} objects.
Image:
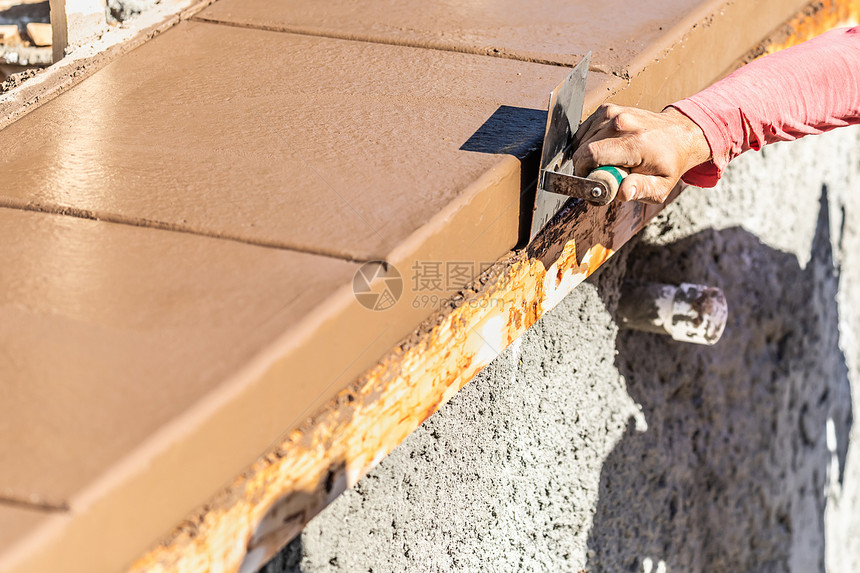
[
  {"x": 585, "y": 448},
  {"x": 122, "y": 10}
]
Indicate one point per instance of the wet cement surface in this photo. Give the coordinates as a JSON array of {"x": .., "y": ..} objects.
[
  {"x": 556, "y": 31},
  {"x": 586, "y": 448}
]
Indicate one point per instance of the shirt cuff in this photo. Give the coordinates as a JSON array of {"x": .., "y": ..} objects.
[{"x": 707, "y": 174}]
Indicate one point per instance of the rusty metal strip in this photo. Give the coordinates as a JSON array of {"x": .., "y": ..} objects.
[{"x": 247, "y": 523}]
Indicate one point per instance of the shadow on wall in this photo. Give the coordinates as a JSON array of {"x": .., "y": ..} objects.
[{"x": 745, "y": 438}]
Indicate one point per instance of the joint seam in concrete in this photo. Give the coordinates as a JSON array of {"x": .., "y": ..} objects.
[
  {"x": 10, "y": 203},
  {"x": 301, "y": 31},
  {"x": 36, "y": 504}
]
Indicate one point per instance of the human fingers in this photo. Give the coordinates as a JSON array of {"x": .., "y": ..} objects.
[
  {"x": 617, "y": 151},
  {"x": 588, "y": 128},
  {"x": 645, "y": 188},
  {"x": 582, "y": 156},
  {"x": 594, "y": 122}
]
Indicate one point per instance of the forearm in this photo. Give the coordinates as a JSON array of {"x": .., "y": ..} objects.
[{"x": 807, "y": 89}]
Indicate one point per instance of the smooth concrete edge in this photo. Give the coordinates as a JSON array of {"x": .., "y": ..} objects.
[
  {"x": 88, "y": 59},
  {"x": 506, "y": 174},
  {"x": 306, "y": 472},
  {"x": 64, "y": 540},
  {"x": 814, "y": 19},
  {"x": 18, "y": 522}
]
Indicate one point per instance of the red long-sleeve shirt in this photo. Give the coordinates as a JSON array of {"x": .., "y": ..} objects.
[{"x": 807, "y": 89}]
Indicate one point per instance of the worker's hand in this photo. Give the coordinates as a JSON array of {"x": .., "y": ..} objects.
[{"x": 656, "y": 148}]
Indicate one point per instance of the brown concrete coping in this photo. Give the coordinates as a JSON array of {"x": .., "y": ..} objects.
[
  {"x": 556, "y": 31},
  {"x": 278, "y": 363},
  {"x": 110, "y": 332},
  {"x": 624, "y": 37}
]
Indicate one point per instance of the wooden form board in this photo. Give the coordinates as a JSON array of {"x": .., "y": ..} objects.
[{"x": 74, "y": 22}]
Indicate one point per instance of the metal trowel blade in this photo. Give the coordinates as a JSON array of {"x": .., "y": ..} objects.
[{"x": 563, "y": 118}]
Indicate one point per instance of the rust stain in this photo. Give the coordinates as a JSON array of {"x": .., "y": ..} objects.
[
  {"x": 828, "y": 15},
  {"x": 817, "y": 18},
  {"x": 247, "y": 523}
]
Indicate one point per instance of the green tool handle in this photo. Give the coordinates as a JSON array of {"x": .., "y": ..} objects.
[{"x": 610, "y": 176}]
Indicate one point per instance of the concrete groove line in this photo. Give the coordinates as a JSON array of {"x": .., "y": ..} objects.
[
  {"x": 301, "y": 31},
  {"x": 8, "y": 203},
  {"x": 35, "y": 504}
]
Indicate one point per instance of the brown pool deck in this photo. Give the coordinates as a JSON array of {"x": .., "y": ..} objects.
[{"x": 187, "y": 375}]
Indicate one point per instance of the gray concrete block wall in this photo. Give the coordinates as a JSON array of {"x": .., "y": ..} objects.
[{"x": 586, "y": 448}]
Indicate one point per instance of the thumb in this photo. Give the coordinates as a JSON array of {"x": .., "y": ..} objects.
[{"x": 645, "y": 188}]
